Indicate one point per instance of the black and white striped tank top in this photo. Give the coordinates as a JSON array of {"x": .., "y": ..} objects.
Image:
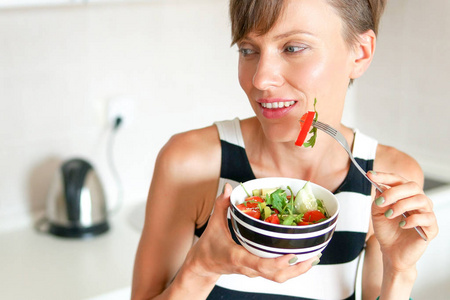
[{"x": 335, "y": 276}]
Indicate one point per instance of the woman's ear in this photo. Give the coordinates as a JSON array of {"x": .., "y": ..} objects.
[{"x": 364, "y": 51}]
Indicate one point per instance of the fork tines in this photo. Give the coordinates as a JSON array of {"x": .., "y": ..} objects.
[{"x": 324, "y": 127}]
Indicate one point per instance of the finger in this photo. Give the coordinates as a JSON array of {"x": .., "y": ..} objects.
[
  {"x": 295, "y": 269},
  {"x": 388, "y": 179},
  {"x": 253, "y": 266},
  {"x": 418, "y": 203},
  {"x": 271, "y": 265},
  {"x": 218, "y": 221},
  {"x": 222, "y": 202},
  {"x": 426, "y": 220},
  {"x": 224, "y": 198},
  {"x": 311, "y": 262},
  {"x": 241, "y": 257},
  {"x": 399, "y": 192},
  {"x": 272, "y": 268}
]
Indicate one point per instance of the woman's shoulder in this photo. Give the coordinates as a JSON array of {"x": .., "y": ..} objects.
[
  {"x": 391, "y": 160},
  {"x": 195, "y": 152},
  {"x": 188, "y": 168},
  {"x": 194, "y": 139}
]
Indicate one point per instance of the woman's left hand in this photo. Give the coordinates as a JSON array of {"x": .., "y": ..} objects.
[{"x": 400, "y": 244}]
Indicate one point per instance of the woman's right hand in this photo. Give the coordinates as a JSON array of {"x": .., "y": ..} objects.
[{"x": 216, "y": 253}]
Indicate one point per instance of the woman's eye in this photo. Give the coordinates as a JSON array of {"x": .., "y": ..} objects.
[
  {"x": 294, "y": 49},
  {"x": 245, "y": 51}
]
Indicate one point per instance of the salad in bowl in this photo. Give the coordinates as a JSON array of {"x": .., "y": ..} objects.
[{"x": 283, "y": 216}]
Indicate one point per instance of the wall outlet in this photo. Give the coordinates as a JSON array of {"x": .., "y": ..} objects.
[{"x": 123, "y": 107}]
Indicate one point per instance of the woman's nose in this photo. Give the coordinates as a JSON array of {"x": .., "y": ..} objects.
[{"x": 268, "y": 73}]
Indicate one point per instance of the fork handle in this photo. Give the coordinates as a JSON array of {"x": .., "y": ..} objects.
[{"x": 355, "y": 163}]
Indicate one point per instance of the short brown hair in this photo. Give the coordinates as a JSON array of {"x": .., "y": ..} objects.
[
  {"x": 358, "y": 16},
  {"x": 260, "y": 15}
]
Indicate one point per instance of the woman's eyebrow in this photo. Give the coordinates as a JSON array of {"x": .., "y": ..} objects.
[
  {"x": 292, "y": 32},
  {"x": 280, "y": 36}
]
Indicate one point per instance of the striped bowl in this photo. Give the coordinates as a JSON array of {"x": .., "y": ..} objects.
[{"x": 272, "y": 240}]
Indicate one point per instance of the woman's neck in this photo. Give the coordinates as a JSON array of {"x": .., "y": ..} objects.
[{"x": 325, "y": 164}]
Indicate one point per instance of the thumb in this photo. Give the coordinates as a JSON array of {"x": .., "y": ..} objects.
[{"x": 223, "y": 202}]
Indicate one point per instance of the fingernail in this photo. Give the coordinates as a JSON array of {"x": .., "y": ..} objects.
[
  {"x": 402, "y": 223},
  {"x": 388, "y": 213},
  {"x": 319, "y": 255},
  {"x": 379, "y": 201},
  {"x": 316, "y": 262},
  {"x": 293, "y": 260},
  {"x": 373, "y": 172},
  {"x": 223, "y": 189}
]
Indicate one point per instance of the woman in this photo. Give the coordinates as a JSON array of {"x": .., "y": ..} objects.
[{"x": 290, "y": 53}]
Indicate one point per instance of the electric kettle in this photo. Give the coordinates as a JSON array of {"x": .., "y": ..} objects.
[{"x": 76, "y": 204}]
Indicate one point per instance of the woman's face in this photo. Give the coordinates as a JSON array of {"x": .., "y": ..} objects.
[{"x": 303, "y": 57}]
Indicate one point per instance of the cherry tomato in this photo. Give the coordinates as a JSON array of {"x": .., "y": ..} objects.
[
  {"x": 273, "y": 219},
  {"x": 303, "y": 223},
  {"x": 251, "y": 202},
  {"x": 313, "y": 216},
  {"x": 251, "y": 211},
  {"x": 255, "y": 213}
]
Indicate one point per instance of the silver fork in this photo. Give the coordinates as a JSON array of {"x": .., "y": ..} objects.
[{"x": 341, "y": 139}]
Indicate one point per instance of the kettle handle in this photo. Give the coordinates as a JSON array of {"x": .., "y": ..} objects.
[{"x": 74, "y": 173}]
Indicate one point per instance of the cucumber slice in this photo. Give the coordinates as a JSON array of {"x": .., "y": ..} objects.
[
  {"x": 256, "y": 192},
  {"x": 305, "y": 200},
  {"x": 267, "y": 212}
]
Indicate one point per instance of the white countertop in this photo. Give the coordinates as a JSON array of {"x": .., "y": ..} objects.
[{"x": 41, "y": 266}]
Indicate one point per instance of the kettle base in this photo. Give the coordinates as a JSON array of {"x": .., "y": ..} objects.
[{"x": 78, "y": 232}]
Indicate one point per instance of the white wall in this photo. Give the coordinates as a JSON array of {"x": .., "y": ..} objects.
[
  {"x": 60, "y": 65},
  {"x": 404, "y": 98}
]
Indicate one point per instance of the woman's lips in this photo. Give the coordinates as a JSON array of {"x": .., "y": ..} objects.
[{"x": 275, "y": 108}]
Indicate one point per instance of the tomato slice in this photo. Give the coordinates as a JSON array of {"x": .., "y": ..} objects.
[
  {"x": 255, "y": 213},
  {"x": 313, "y": 216},
  {"x": 305, "y": 126},
  {"x": 273, "y": 219},
  {"x": 254, "y": 198},
  {"x": 303, "y": 223},
  {"x": 251, "y": 202},
  {"x": 251, "y": 211},
  {"x": 241, "y": 206}
]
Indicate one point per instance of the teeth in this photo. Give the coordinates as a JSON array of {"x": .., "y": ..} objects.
[{"x": 277, "y": 104}]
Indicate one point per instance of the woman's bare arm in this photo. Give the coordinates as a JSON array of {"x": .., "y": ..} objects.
[
  {"x": 182, "y": 186},
  {"x": 400, "y": 246}
]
